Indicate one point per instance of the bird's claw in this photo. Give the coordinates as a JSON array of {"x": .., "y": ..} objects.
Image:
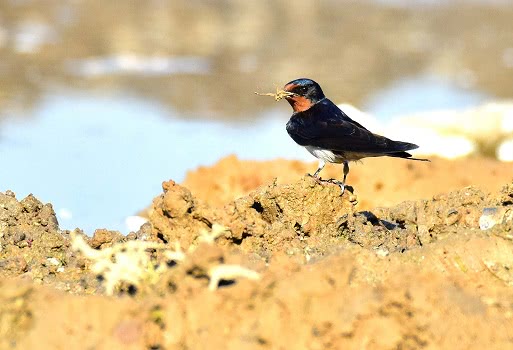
[
  {"x": 338, "y": 183},
  {"x": 329, "y": 181}
]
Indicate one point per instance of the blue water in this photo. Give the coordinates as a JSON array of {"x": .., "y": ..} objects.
[
  {"x": 99, "y": 159},
  {"x": 422, "y": 93},
  {"x": 102, "y": 159}
]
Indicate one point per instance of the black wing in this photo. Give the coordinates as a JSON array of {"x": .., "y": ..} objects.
[{"x": 325, "y": 126}]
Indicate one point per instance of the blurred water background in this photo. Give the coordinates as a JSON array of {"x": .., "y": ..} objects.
[{"x": 101, "y": 101}]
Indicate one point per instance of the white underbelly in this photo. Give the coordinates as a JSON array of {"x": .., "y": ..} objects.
[
  {"x": 326, "y": 155},
  {"x": 340, "y": 157}
]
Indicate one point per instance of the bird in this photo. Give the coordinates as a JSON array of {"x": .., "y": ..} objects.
[{"x": 329, "y": 134}]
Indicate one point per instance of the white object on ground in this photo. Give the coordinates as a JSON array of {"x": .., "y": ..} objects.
[{"x": 229, "y": 272}]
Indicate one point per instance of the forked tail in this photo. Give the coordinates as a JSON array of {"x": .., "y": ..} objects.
[{"x": 406, "y": 155}]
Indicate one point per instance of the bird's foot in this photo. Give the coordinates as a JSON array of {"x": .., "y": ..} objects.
[
  {"x": 341, "y": 184},
  {"x": 320, "y": 180},
  {"x": 338, "y": 183}
]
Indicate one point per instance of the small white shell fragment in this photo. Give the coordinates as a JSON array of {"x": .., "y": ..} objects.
[
  {"x": 229, "y": 272},
  {"x": 53, "y": 261},
  {"x": 382, "y": 252}
]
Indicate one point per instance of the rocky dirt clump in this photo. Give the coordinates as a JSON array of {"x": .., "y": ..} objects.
[{"x": 296, "y": 265}]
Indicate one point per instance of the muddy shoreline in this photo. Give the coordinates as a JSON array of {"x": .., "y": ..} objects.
[{"x": 245, "y": 261}]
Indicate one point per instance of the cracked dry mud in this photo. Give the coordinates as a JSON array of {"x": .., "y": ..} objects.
[{"x": 334, "y": 271}]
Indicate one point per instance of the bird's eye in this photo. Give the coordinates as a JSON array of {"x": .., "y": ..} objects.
[{"x": 303, "y": 89}]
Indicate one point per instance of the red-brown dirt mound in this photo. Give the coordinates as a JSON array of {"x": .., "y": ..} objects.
[
  {"x": 293, "y": 264},
  {"x": 377, "y": 182}
]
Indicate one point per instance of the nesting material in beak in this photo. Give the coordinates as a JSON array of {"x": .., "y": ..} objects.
[{"x": 280, "y": 94}]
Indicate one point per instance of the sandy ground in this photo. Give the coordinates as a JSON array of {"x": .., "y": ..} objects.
[
  {"x": 377, "y": 182},
  {"x": 256, "y": 255}
]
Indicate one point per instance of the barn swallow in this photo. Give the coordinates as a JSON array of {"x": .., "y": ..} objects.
[{"x": 329, "y": 134}]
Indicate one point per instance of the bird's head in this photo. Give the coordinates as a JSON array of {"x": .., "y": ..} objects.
[{"x": 302, "y": 94}]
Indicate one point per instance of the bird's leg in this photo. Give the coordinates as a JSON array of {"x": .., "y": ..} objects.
[
  {"x": 322, "y": 163},
  {"x": 346, "y": 171},
  {"x": 343, "y": 183}
]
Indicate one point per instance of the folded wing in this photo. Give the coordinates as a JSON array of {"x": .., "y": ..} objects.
[{"x": 327, "y": 127}]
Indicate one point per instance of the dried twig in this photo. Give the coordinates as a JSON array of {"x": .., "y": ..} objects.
[{"x": 280, "y": 94}]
